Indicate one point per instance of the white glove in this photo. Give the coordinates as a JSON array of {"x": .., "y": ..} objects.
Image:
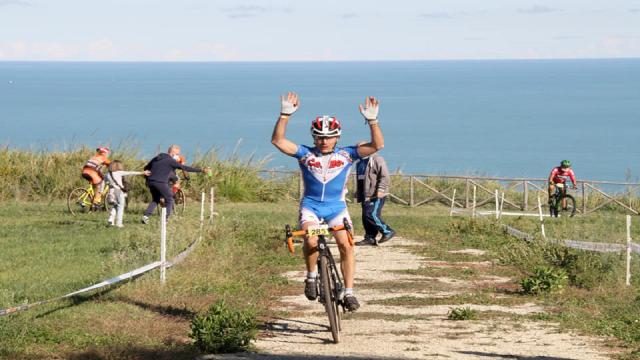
[
  {"x": 289, "y": 104},
  {"x": 370, "y": 109}
]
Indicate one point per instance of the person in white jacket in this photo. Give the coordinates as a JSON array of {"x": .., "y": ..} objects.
[{"x": 117, "y": 196}]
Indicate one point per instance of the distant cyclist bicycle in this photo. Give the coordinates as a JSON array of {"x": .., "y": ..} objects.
[
  {"x": 331, "y": 289},
  {"x": 83, "y": 199},
  {"x": 559, "y": 200}
]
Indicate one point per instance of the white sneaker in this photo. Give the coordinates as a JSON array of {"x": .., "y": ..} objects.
[
  {"x": 145, "y": 219},
  {"x": 110, "y": 223},
  {"x": 120, "y": 226}
]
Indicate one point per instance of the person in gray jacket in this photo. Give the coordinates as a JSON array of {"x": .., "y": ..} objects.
[{"x": 372, "y": 190}]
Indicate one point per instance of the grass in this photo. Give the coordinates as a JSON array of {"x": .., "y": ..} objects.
[
  {"x": 51, "y": 253},
  {"x": 240, "y": 261}
]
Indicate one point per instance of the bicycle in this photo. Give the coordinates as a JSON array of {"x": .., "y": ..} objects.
[
  {"x": 331, "y": 292},
  {"x": 179, "y": 200},
  {"x": 556, "y": 200},
  {"x": 80, "y": 200}
]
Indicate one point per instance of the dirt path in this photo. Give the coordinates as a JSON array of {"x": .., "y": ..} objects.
[{"x": 380, "y": 331}]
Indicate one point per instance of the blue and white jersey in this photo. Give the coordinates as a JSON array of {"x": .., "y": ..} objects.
[{"x": 325, "y": 176}]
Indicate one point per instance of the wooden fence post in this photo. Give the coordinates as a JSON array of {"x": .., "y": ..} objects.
[
  {"x": 453, "y": 202},
  {"x": 411, "y": 196},
  {"x": 525, "y": 195},
  {"x": 584, "y": 198},
  {"x": 497, "y": 206},
  {"x": 466, "y": 194},
  {"x": 473, "y": 211}
]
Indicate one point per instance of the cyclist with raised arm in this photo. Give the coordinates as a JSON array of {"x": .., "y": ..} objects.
[
  {"x": 325, "y": 169},
  {"x": 559, "y": 175}
]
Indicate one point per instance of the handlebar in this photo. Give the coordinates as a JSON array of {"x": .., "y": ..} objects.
[{"x": 301, "y": 233}]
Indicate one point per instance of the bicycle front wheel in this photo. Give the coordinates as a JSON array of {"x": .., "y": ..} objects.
[
  {"x": 179, "y": 202},
  {"x": 570, "y": 208},
  {"x": 79, "y": 201},
  {"x": 330, "y": 303}
]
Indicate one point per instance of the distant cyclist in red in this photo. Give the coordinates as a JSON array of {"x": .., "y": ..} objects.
[{"x": 559, "y": 175}]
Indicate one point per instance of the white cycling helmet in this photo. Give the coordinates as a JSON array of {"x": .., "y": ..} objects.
[{"x": 326, "y": 126}]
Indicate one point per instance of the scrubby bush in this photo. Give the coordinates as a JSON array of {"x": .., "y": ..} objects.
[
  {"x": 223, "y": 329},
  {"x": 544, "y": 279},
  {"x": 462, "y": 313}
]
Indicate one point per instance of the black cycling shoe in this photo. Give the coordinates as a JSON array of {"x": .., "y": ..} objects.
[
  {"x": 351, "y": 303},
  {"x": 310, "y": 289}
]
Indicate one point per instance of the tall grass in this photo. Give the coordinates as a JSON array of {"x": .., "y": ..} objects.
[{"x": 50, "y": 175}]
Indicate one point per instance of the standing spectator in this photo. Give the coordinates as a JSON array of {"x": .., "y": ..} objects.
[
  {"x": 118, "y": 191},
  {"x": 372, "y": 189},
  {"x": 162, "y": 168}
]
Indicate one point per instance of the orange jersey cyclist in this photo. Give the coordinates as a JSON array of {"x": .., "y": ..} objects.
[{"x": 325, "y": 168}]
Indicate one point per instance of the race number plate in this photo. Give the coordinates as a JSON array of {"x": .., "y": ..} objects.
[{"x": 318, "y": 230}]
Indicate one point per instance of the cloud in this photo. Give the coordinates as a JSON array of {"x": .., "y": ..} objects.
[
  {"x": 450, "y": 15},
  {"x": 436, "y": 15},
  {"x": 634, "y": 11},
  {"x": 349, "y": 16},
  {"x": 247, "y": 11},
  {"x": 538, "y": 9},
  {"x": 15, "y": 2},
  {"x": 568, "y": 37}
]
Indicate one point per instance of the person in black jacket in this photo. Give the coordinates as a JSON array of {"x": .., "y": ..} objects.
[{"x": 162, "y": 168}]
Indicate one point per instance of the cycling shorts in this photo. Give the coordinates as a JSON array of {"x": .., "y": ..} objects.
[
  {"x": 92, "y": 176},
  {"x": 332, "y": 213}
]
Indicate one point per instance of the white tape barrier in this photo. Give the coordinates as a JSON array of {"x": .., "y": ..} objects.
[
  {"x": 517, "y": 233},
  {"x": 128, "y": 275},
  {"x": 590, "y": 246},
  {"x": 114, "y": 280}
]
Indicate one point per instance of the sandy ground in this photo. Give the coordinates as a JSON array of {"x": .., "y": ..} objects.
[{"x": 398, "y": 332}]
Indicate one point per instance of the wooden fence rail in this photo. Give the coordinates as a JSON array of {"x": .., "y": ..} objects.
[{"x": 422, "y": 189}]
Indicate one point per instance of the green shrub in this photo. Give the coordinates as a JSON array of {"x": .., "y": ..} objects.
[
  {"x": 224, "y": 330},
  {"x": 544, "y": 279},
  {"x": 462, "y": 313}
]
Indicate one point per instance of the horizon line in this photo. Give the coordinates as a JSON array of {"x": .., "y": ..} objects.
[{"x": 319, "y": 61}]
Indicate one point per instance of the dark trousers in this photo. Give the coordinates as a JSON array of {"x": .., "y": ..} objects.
[
  {"x": 158, "y": 191},
  {"x": 371, "y": 218}
]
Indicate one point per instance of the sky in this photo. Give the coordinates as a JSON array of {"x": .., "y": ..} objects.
[{"x": 330, "y": 30}]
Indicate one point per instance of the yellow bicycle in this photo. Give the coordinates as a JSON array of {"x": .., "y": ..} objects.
[{"x": 80, "y": 200}]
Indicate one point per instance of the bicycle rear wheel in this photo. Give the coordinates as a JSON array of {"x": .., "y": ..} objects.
[
  {"x": 330, "y": 303},
  {"x": 79, "y": 201},
  {"x": 570, "y": 209},
  {"x": 179, "y": 202}
]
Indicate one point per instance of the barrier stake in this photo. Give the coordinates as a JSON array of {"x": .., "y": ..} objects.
[
  {"x": 202, "y": 209},
  {"x": 628, "y": 250},
  {"x": 163, "y": 245},
  {"x": 211, "y": 205},
  {"x": 453, "y": 202},
  {"x": 497, "y": 215},
  {"x": 501, "y": 205},
  {"x": 473, "y": 211},
  {"x": 544, "y": 236}
]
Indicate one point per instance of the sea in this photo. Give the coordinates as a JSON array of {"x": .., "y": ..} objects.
[{"x": 506, "y": 118}]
